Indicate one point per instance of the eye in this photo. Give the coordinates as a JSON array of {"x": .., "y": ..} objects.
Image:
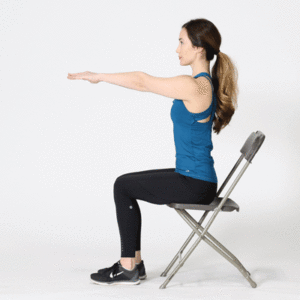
[{"x": 180, "y": 41}]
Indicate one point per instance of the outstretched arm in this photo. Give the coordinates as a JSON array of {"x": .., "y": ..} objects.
[
  {"x": 178, "y": 87},
  {"x": 182, "y": 87}
]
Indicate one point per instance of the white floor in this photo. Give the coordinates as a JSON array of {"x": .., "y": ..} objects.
[{"x": 51, "y": 272}]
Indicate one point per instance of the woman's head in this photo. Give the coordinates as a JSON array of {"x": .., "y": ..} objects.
[
  {"x": 198, "y": 40},
  {"x": 187, "y": 53},
  {"x": 201, "y": 40}
]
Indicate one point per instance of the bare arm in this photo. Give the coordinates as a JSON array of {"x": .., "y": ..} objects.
[
  {"x": 178, "y": 87},
  {"x": 130, "y": 80}
]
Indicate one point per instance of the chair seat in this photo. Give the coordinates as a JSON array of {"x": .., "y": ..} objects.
[{"x": 229, "y": 205}]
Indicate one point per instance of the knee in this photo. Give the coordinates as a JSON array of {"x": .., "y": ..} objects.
[
  {"x": 120, "y": 178},
  {"x": 120, "y": 191},
  {"x": 119, "y": 183}
]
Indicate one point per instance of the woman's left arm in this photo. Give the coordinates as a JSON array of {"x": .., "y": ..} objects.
[{"x": 178, "y": 87}]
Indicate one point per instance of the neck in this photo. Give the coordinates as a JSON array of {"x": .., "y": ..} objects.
[{"x": 200, "y": 66}]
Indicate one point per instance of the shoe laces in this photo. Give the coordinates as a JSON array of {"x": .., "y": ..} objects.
[{"x": 116, "y": 267}]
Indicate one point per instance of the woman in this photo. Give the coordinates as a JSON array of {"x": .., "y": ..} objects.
[{"x": 204, "y": 100}]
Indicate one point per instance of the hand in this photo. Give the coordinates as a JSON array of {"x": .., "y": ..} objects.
[{"x": 90, "y": 76}]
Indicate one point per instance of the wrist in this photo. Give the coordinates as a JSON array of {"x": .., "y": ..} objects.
[{"x": 99, "y": 77}]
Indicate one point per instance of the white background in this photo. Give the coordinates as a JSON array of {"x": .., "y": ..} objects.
[{"x": 63, "y": 144}]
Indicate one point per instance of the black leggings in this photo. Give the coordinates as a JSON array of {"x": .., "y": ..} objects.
[{"x": 158, "y": 186}]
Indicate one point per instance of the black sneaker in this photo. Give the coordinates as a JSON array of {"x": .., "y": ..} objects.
[
  {"x": 116, "y": 275},
  {"x": 141, "y": 268}
]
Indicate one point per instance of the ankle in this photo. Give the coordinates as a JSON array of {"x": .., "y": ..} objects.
[
  {"x": 138, "y": 258},
  {"x": 128, "y": 263}
]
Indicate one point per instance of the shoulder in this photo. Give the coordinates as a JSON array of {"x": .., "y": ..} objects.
[
  {"x": 178, "y": 87},
  {"x": 204, "y": 86}
]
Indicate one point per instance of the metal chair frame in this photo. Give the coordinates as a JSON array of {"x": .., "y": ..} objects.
[{"x": 249, "y": 149}]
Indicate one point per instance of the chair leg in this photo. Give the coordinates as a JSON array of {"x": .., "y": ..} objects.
[
  {"x": 178, "y": 254},
  {"x": 209, "y": 239},
  {"x": 181, "y": 262},
  {"x": 220, "y": 247}
]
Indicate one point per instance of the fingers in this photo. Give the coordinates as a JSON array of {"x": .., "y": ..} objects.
[{"x": 73, "y": 76}]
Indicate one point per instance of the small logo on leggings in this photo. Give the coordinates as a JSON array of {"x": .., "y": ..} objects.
[
  {"x": 187, "y": 170},
  {"x": 130, "y": 207}
]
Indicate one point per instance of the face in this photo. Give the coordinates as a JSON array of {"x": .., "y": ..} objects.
[{"x": 185, "y": 49}]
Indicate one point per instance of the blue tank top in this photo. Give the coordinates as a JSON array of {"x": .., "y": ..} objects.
[{"x": 193, "y": 139}]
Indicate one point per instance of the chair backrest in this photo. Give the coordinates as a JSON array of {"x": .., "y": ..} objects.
[
  {"x": 249, "y": 149},
  {"x": 252, "y": 145}
]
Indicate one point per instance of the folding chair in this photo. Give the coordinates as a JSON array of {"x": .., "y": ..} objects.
[{"x": 249, "y": 149}]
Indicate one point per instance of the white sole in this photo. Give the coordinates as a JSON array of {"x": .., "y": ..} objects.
[{"x": 116, "y": 282}]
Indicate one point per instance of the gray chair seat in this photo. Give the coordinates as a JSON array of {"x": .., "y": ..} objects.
[{"x": 229, "y": 205}]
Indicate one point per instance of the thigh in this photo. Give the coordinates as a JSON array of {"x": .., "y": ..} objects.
[
  {"x": 159, "y": 186},
  {"x": 148, "y": 172}
]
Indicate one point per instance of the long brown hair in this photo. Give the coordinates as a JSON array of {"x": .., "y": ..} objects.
[{"x": 203, "y": 33}]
